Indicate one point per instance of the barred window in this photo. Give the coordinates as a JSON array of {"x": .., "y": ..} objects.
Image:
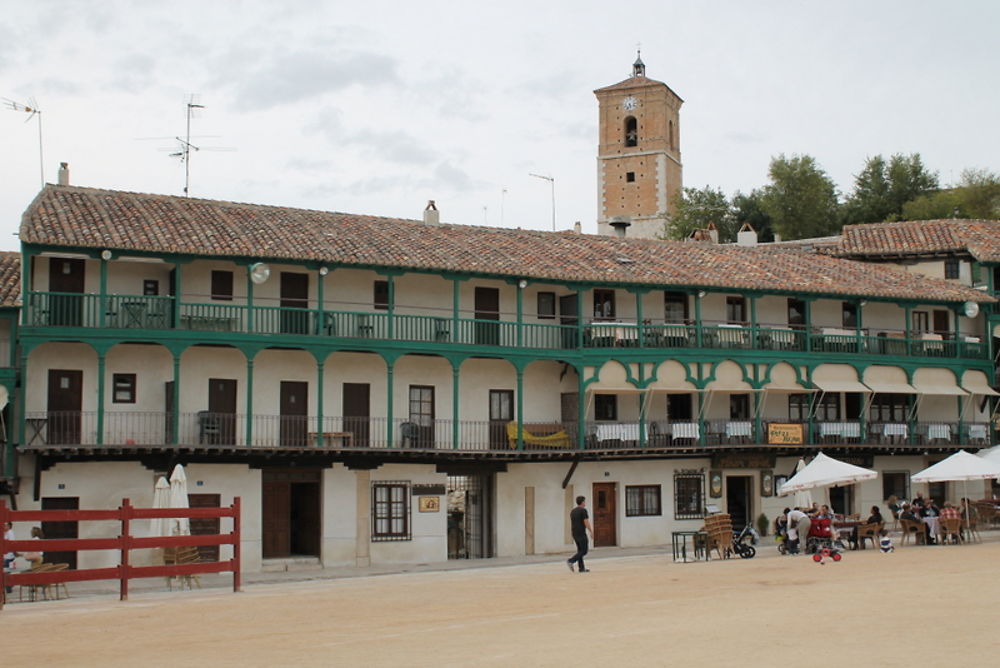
[
  {"x": 390, "y": 511},
  {"x": 642, "y": 500},
  {"x": 689, "y": 496}
]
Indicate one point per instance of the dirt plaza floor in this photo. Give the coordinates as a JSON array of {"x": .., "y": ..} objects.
[{"x": 920, "y": 606}]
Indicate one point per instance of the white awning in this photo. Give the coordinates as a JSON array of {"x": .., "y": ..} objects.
[
  {"x": 4, "y": 397},
  {"x": 841, "y": 385},
  {"x": 939, "y": 388},
  {"x": 974, "y": 382},
  {"x": 937, "y": 381},
  {"x": 887, "y": 387}
]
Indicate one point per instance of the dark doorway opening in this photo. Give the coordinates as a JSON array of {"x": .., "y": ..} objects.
[
  {"x": 487, "y": 303},
  {"x": 60, "y": 529},
  {"x": 294, "y": 398},
  {"x": 290, "y": 509},
  {"x": 470, "y": 516},
  {"x": 738, "y": 501}
]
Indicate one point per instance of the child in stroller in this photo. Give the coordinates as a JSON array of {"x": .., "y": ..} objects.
[{"x": 822, "y": 535}]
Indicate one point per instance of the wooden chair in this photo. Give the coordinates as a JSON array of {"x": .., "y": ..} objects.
[
  {"x": 951, "y": 526},
  {"x": 914, "y": 528},
  {"x": 719, "y": 528},
  {"x": 186, "y": 554},
  {"x": 43, "y": 589},
  {"x": 869, "y": 531}
]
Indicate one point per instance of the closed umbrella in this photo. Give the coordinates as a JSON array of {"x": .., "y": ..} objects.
[
  {"x": 180, "y": 526},
  {"x": 158, "y": 526}
]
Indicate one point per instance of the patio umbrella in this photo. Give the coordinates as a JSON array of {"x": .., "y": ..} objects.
[
  {"x": 961, "y": 466},
  {"x": 824, "y": 471},
  {"x": 992, "y": 454},
  {"x": 178, "y": 499},
  {"x": 161, "y": 499}
]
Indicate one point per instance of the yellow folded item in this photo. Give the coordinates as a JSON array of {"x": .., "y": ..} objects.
[{"x": 560, "y": 439}]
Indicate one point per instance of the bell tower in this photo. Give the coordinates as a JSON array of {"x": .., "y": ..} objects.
[{"x": 638, "y": 156}]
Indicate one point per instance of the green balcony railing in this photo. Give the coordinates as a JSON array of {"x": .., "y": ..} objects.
[{"x": 52, "y": 309}]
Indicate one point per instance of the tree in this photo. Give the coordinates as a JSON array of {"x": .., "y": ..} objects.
[
  {"x": 747, "y": 209},
  {"x": 695, "y": 208},
  {"x": 942, "y": 204},
  {"x": 882, "y": 188},
  {"x": 979, "y": 192},
  {"x": 801, "y": 200}
]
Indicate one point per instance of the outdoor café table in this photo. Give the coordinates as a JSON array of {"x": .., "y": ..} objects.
[
  {"x": 846, "y": 528},
  {"x": 893, "y": 429},
  {"x": 698, "y": 544}
]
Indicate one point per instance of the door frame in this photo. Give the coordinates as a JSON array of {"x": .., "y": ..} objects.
[{"x": 608, "y": 536}]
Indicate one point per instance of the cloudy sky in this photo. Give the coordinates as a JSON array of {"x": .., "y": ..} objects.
[{"x": 375, "y": 107}]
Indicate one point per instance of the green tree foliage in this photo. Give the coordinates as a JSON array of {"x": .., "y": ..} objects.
[
  {"x": 695, "y": 208},
  {"x": 882, "y": 188},
  {"x": 976, "y": 196},
  {"x": 747, "y": 209},
  {"x": 801, "y": 199}
]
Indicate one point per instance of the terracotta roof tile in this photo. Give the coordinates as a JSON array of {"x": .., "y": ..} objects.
[
  {"x": 10, "y": 279},
  {"x": 90, "y": 218},
  {"x": 980, "y": 238}
]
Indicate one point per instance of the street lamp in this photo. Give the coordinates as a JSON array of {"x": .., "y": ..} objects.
[{"x": 552, "y": 184}]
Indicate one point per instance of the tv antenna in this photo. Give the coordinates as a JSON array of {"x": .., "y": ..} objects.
[{"x": 32, "y": 110}]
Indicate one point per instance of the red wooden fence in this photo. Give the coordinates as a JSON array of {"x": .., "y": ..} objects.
[{"x": 124, "y": 543}]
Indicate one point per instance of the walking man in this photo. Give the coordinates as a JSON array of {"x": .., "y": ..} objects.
[{"x": 579, "y": 524}]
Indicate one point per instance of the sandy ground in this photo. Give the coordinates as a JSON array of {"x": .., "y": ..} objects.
[{"x": 920, "y": 606}]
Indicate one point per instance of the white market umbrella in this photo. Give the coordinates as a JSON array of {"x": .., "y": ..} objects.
[
  {"x": 960, "y": 467},
  {"x": 824, "y": 471},
  {"x": 178, "y": 499},
  {"x": 992, "y": 454},
  {"x": 159, "y": 526}
]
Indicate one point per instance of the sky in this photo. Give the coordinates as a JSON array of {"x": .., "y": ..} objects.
[{"x": 376, "y": 107}]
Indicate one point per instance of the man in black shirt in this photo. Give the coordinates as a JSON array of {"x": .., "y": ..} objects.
[{"x": 579, "y": 524}]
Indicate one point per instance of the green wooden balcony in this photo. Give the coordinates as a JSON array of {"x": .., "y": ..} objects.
[{"x": 135, "y": 312}]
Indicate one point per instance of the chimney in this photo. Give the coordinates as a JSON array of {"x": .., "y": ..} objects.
[
  {"x": 621, "y": 224},
  {"x": 747, "y": 236},
  {"x": 577, "y": 227},
  {"x": 431, "y": 214},
  {"x": 713, "y": 232},
  {"x": 64, "y": 173}
]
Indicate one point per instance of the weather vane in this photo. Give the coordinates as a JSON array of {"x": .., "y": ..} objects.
[{"x": 32, "y": 110}]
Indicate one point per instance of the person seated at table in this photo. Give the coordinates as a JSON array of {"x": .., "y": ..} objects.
[
  {"x": 950, "y": 512},
  {"x": 930, "y": 512},
  {"x": 822, "y": 513},
  {"x": 908, "y": 513},
  {"x": 875, "y": 517},
  {"x": 931, "y": 509},
  {"x": 918, "y": 502}
]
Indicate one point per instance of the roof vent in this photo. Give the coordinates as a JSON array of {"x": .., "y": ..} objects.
[
  {"x": 621, "y": 224},
  {"x": 621, "y": 259},
  {"x": 63, "y": 173},
  {"x": 431, "y": 214},
  {"x": 747, "y": 236},
  {"x": 577, "y": 227}
]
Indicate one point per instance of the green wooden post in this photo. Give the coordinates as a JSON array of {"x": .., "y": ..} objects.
[
  {"x": 102, "y": 304},
  {"x": 754, "y": 338},
  {"x": 391, "y": 307},
  {"x": 250, "y": 310},
  {"x": 455, "y": 368},
  {"x": 908, "y": 310},
  {"x": 320, "y": 381},
  {"x": 640, "y": 331},
  {"x": 178, "y": 269},
  {"x": 579, "y": 319},
  {"x": 320, "y": 300},
  {"x": 859, "y": 325},
  {"x": 177, "y": 396},
  {"x": 520, "y": 316},
  {"x": 100, "y": 395},
  {"x": 455, "y": 295},
  {"x": 520, "y": 406},
  {"x": 581, "y": 411},
  {"x": 22, "y": 394},
  {"x": 808, "y": 329},
  {"x": 249, "y": 420},
  {"x": 388, "y": 403},
  {"x": 697, "y": 318}
]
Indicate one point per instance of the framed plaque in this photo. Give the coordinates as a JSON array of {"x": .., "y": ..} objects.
[
  {"x": 430, "y": 504},
  {"x": 767, "y": 483},
  {"x": 715, "y": 484}
]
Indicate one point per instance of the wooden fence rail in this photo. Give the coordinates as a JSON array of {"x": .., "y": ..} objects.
[{"x": 124, "y": 543}]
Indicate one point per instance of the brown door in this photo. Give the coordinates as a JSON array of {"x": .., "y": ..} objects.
[
  {"x": 66, "y": 276},
  {"x": 356, "y": 412},
  {"x": 603, "y": 505},
  {"x": 276, "y": 504},
  {"x": 168, "y": 412},
  {"x": 487, "y": 308},
  {"x": 290, "y": 513},
  {"x": 60, "y": 529},
  {"x": 421, "y": 417},
  {"x": 205, "y": 526},
  {"x": 295, "y": 296},
  {"x": 294, "y": 398},
  {"x": 64, "y": 404},
  {"x": 568, "y": 318},
  {"x": 501, "y": 413},
  {"x": 941, "y": 323},
  {"x": 221, "y": 411}
]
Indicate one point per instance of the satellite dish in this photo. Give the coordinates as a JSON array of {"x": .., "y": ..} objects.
[
  {"x": 259, "y": 272},
  {"x": 971, "y": 309}
]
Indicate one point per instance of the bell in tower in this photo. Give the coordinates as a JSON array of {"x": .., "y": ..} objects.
[{"x": 638, "y": 67}]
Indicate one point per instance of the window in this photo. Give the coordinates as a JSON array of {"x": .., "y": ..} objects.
[
  {"x": 546, "y": 305},
  {"x": 631, "y": 131},
  {"x": 150, "y": 287},
  {"x": 896, "y": 483},
  {"x": 796, "y": 313},
  {"x": 736, "y": 309},
  {"x": 689, "y": 496},
  {"x": 848, "y": 315},
  {"x": 390, "y": 511},
  {"x": 951, "y": 268},
  {"x": 828, "y": 407},
  {"x": 605, "y": 407},
  {"x": 739, "y": 406},
  {"x": 380, "y": 296},
  {"x": 642, "y": 501},
  {"x": 675, "y": 307},
  {"x": 222, "y": 285},
  {"x": 630, "y": 177},
  {"x": 123, "y": 388},
  {"x": 798, "y": 407},
  {"x": 887, "y": 407},
  {"x": 921, "y": 322},
  {"x": 679, "y": 407},
  {"x": 604, "y": 304}
]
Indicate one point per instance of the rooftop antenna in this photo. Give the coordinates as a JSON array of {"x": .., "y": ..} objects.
[
  {"x": 184, "y": 146},
  {"x": 32, "y": 110}
]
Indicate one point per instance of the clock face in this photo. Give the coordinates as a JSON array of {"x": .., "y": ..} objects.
[{"x": 629, "y": 103}]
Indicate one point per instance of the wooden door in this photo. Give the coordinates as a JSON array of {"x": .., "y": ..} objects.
[
  {"x": 604, "y": 514},
  {"x": 293, "y": 405},
  {"x": 64, "y": 404},
  {"x": 60, "y": 529},
  {"x": 501, "y": 413},
  {"x": 357, "y": 412},
  {"x": 206, "y": 526},
  {"x": 422, "y": 414},
  {"x": 941, "y": 323},
  {"x": 294, "y": 295},
  {"x": 66, "y": 276},
  {"x": 222, "y": 410},
  {"x": 568, "y": 318},
  {"x": 276, "y": 524},
  {"x": 168, "y": 412},
  {"x": 487, "y": 308}
]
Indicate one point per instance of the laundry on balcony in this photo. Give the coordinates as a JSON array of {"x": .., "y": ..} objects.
[{"x": 559, "y": 439}]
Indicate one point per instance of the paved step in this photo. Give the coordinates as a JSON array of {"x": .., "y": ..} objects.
[{"x": 291, "y": 564}]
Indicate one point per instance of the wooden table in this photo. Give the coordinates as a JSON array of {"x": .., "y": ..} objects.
[{"x": 346, "y": 438}]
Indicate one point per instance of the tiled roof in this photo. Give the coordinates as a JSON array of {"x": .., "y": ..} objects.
[
  {"x": 89, "y": 218},
  {"x": 10, "y": 279},
  {"x": 980, "y": 238},
  {"x": 637, "y": 82}
]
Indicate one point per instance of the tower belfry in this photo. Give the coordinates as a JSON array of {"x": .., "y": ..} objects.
[{"x": 638, "y": 155}]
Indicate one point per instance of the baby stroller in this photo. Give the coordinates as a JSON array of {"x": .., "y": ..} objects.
[
  {"x": 781, "y": 537},
  {"x": 821, "y": 535}
]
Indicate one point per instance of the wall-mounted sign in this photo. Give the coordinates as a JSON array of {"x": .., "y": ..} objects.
[
  {"x": 785, "y": 434},
  {"x": 767, "y": 483},
  {"x": 742, "y": 460},
  {"x": 428, "y": 490},
  {"x": 715, "y": 484},
  {"x": 430, "y": 504}
]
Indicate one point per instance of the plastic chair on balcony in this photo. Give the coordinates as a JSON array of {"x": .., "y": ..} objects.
[{"x": 209, "y": 427}]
